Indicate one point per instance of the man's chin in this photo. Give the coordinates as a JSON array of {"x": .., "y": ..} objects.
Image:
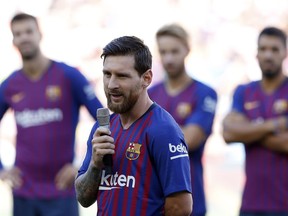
[{"x": 270, "y": 75}]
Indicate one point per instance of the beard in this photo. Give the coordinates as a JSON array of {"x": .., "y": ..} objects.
[
  {"x": 271, "y": 74},
  {"x": 128, "y": 103},
  {"x": 174, "y": 72},
  {"x": 29, "y": 55}
]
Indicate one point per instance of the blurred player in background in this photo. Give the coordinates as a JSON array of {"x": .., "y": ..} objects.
[
  {"x": 189, "y": 101},
  {"x": 259, "y": 119},
  {"x": 45, "y": 96}
]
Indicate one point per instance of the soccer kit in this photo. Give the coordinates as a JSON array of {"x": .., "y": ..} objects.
[
  {"x": 266, "y": 187},
  {"x": 46, "y": 113},
  {"x": 150, "y": 163},
  {"x": 194, "y": 105}
]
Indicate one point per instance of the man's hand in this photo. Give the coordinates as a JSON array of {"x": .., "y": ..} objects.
[
  {"x": 12, "y": 176},
  {"x": 102, "y": 144},
  {"x": 280, "y": 124},
  {"x": 66, "y": 176}
]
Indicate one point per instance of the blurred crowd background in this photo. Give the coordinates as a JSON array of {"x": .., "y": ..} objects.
[{"x": 224, "y": 42}]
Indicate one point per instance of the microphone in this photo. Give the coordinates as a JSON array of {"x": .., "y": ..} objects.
[{"x": 103, "y": 118}]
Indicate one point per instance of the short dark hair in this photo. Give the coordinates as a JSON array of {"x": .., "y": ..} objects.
[
  {"x": 275, "y": 32},
  {"x": 174, "y": 30},
  {"x": 133, "y": 46},
  {"x": 23, "y": 16}
]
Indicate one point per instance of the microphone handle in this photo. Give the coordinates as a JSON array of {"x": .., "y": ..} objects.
[
  {"x": 107, "y": 159},
  {"x": 108, "y": 163}
]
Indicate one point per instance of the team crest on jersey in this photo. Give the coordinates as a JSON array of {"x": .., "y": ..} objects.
[
  {"x": 183, "y": 109},
  {"x": 133, "y": 151},
  {"x": 53, "y": 92},
  {"x": 280, "y": 106}
]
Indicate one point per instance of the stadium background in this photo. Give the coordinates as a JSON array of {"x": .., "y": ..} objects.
[{"x": 223, "y": 37}]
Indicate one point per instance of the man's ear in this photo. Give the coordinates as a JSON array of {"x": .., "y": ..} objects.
[{"x": 147, "y": 78}]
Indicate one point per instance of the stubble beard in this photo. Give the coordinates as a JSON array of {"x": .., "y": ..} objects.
[
  {"x": 174, "y": 75},
  {"x": 127, "y": 104},
  {"x": 29, "y": 56},
  {"x": 271, "y": 74}
]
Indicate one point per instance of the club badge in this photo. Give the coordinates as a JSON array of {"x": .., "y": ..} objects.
[
  {"x": 53, "y": 92},
  {"x": 133, "y": 151}
]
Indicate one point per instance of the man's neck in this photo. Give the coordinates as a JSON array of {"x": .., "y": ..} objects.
[
  {"x": 35, "y": 68},
  {"x": 270, "y": 85},
  {"x": 141, "y": 107},
  {"x": 176, "y": 85}
]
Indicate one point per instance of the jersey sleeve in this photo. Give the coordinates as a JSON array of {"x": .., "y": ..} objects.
[
  {"x": 84, "y": 92},
  {"x": 238, "y": 99},
  {"x": 88, "y": 155},
  {"x": 170, "y": 156},
  {"x": 3, "y": 104},
  {"x": 204, "y": 111}
]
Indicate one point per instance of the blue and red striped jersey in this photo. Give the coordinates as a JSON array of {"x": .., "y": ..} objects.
[
  {"x": 196, "y": 105},
  {"x": 266, "y": 187},
  {"x": 46, "y": 112},
  {"x": 151, "y": 162}
]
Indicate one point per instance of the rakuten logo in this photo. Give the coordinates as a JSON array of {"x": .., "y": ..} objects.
[
  {"x": 180, "y": 150},
  {"x": 109, "y": 181},
  {"x": 30, "y": 118}
]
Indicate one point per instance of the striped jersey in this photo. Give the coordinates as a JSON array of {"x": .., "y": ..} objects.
[
  {"x": 150, "y": 163},
  {"x": 266, "y": 187},
  {"x": 194, "y": 105},
  {"x": 46, "y": 113}
]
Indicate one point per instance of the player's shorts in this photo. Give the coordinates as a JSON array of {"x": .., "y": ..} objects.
[{"x": 45, "y": 207}]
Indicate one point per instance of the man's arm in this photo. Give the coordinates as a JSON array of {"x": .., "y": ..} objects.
[
  {"x": 276, "y": 142},
  {"x": 194, "y": 135},
  {"x": 178, "y": 204},
  {"x": 237, "y": 128},
  {"x": 87, "y": 185},
  {"x": 199, "y": 123}
]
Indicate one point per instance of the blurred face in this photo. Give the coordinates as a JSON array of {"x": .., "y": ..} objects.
[
  {"x": 172, "y": 53},
  {"x": 26, "y": 37},
  {"x": 270, "y": 55},
  {"x": 122, "y": 84}
]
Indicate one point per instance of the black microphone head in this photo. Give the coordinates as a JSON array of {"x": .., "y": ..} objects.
[{"x": 103, "y": 117}]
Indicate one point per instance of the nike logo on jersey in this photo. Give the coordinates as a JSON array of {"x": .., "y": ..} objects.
[
  {"x": 178, "y": 151},
  {"x": 17, "y": 97}
]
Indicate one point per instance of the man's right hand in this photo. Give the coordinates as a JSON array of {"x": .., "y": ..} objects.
[
  {"x": 12, "y": 177},
  {"x": 280, "y": 124},
  {"x": 102, "y": 144}
]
